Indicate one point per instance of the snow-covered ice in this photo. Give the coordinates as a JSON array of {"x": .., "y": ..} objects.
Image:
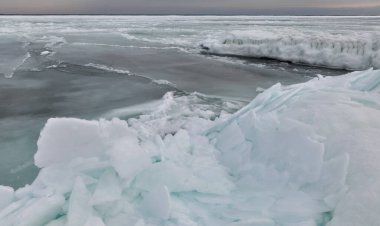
[
  {"x": 44, "y": 53},
  {"x": 304, "y": 154}
]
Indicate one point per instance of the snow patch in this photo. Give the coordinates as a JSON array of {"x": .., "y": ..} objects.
[{"x": 44, "y": 53}]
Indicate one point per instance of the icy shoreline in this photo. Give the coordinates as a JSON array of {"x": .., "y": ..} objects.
[
  {"x": 349, "y": 51},
  {"x": 304, "y": 154}
]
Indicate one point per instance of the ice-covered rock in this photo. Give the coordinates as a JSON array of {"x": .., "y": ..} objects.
[{"x": 305, "y": 154}]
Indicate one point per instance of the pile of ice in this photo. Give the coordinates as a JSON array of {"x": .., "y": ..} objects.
[
  {"x": 348, "y": 51},
  {"x": 302, "y": 155}
]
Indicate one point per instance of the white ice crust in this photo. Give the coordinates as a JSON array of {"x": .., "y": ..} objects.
[
  {"x": 345, "y": 51},
  {"x": 6, "y": 196},
  {"x": 306, "y": 154}
]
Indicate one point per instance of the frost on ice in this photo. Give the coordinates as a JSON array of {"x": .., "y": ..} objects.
[
  {"x": 304, "y": 154},
  {"x": 354, "y": 51}
]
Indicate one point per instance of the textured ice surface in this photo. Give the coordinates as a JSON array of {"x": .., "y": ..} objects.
[
  {"x": 6, "y": 196},
  {"x": 347, "y": 51},
  {"x": 13, "y": 54},
  {"x": 343, "y": 42},
  {"x": 304, "y": 154}
]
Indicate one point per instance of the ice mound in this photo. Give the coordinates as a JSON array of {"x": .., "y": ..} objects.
[
  {"x": 327, "y": 49},
  {"x": 304, "y": 154},
  {"x": 316, "y": 141}
]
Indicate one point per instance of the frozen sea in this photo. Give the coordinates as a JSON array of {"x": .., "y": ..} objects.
[{"x": 177, "y": 80}]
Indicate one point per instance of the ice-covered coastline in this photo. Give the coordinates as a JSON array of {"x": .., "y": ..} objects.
[
  {"x": 332, "y": 41},
  {"x": 304, "y": 154},
  {"x": 345, "y": 51}
]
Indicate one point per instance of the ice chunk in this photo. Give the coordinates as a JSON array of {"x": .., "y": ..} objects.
[
  {"x": 358, "y": 207},
  {"x": 246, "y": 122},
  {"x": 140, "y": 223},
  {"x": 332, "y": 180},
  {"x": 76, "y": 138},
  {"x": 94, "y": 221},
  {"x": 108, "y": 189},
  {"x": 238, "y": 157},
  {"x": 62, "y": 140},
  {"x": 182, "y": 179},
  {"x": 128, "y": 158},
  {"x": 40, "y": 211},
  {"x": 79, "y": 205},
  {"x": 157, "y": 203},
  {"x": 255, "y": 222},
  {"x": 44, "y": 53},
  {"x": 58, "y": 222},
  {"x": 230, "y": 137},
  {"x": 6, "y": 196},
  {"x": 297, "y": 207}
]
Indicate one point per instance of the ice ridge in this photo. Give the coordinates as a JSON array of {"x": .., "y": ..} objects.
[
  {"x": 327, "y": 50},
  {"x": 304, "y": 154}
]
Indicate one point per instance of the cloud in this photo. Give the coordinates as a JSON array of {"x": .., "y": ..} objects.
[{"x": 188, "y": 6}]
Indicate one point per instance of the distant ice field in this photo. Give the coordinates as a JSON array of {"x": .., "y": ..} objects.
[{"x": 334, "y": 42}]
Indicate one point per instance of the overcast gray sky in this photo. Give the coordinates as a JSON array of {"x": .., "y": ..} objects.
[{"x": 255, "y": 7}]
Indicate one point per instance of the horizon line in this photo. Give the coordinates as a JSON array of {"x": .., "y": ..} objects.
[{"x": 169, "y": 14}]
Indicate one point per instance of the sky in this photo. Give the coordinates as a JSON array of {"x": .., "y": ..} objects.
[{"x": 228, "y": 7}]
